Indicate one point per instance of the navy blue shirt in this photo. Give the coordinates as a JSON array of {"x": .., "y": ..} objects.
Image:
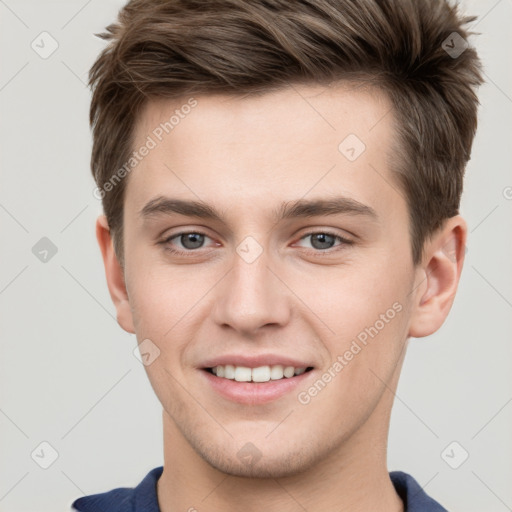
[{"x": 143, "y": 498}]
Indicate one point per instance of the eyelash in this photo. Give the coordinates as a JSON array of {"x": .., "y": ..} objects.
[{"x": 344, "y": 242}]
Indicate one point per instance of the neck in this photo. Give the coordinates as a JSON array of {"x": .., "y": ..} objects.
[{"x": 353, "y": 477}]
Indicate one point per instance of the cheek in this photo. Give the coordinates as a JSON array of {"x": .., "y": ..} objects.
[
  {"x": 168, "y": 308},
  {"x": 160, "y": 297},
  {"x": 363, "y": 314},
  {"x": 354, "y": 296}
]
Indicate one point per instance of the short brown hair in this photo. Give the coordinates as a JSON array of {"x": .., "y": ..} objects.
[{"x": 173, "y": 48}]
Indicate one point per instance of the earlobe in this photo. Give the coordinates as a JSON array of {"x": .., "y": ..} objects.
[
  {"x": 115, "y": 275},
  {"x": 438, "y": 277}
]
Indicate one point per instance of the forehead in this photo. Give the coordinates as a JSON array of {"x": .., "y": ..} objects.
[
  {"x": 284, "y": 144},
  {"x": 301, "y": 111}
]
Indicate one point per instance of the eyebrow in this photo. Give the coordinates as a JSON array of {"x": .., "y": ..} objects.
[{"x": 292, "y": 209}]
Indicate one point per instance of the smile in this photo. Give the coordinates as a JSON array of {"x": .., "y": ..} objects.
[
  {"x": 255, "y": 386},
  {"x": 259, "y": 374}
]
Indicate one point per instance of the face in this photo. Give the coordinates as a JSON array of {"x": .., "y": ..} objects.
[{"x": 299, "y": 257}]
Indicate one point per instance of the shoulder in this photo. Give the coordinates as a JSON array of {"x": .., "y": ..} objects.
[
  {"x": 124, "y": 499},
  {"x": 414, "y": 497}
]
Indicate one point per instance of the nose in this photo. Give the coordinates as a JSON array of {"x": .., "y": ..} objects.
[{"x": 251, "y": 296}]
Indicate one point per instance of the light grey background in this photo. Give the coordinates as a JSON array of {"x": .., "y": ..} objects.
[{"x": 68, "y": 375}]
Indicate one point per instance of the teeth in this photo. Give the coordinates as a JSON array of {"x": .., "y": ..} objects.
[
  {"x": 289, "y": 371},
  {"x": 242, "y": 374},
  {"x": 260, "y": 374},
  {"x": 229, "y": 371},
  {"x": 276, "y": 372}
]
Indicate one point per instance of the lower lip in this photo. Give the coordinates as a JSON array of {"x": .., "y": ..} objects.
[{"x": 254, "y": 393}]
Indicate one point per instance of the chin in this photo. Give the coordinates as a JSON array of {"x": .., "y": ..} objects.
[{"x": 251, "y": 462}]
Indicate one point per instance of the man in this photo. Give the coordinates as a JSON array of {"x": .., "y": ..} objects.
[{"x": 281, "y": 182}]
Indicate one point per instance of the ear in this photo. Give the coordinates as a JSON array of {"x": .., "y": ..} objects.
[
  {"x": 115, "y": 275},
  {"x": 438, "y": 277}
]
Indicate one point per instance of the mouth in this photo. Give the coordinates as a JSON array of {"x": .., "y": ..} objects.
[
  {"x": 259, "y": 374},
  {"x": 255, "y": 386}
]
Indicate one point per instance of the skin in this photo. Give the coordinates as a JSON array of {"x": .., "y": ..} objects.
[{"x": 246, "y": 156}]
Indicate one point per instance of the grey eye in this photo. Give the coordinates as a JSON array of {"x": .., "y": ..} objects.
[
  {"x": 191, "y": 240},
  {"x": 322, "y": 240}
]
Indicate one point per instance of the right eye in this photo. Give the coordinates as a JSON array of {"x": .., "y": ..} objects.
[{"x": 189, "y": 240}]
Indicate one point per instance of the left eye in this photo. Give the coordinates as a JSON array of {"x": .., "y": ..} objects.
[{"x": 321, "y": 240}]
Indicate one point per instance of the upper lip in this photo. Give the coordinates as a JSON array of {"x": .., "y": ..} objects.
[{"x": 255, "y": 361}]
